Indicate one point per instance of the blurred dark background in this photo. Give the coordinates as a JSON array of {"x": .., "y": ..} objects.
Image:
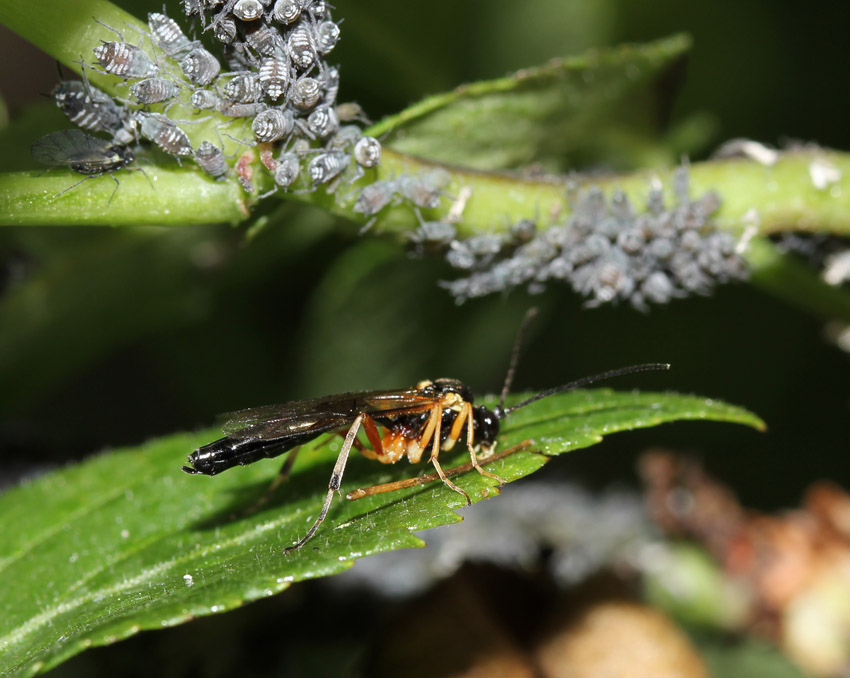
[{"x": 110, "y": 337}]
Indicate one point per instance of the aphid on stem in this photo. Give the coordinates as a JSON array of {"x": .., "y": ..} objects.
[{"x": 431, "y": 416}]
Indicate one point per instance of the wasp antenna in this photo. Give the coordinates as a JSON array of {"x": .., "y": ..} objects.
[
  {"x": 520, "y": 335},
  {"x": 578, "y": 383}
]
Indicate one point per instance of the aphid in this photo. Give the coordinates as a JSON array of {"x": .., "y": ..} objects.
[
  {"x": 330, "y": 83},
  {"x": 243, "y": 89},
  {"x": 367, "y": 152},
  {"x": 266, "y": 40},
  {"x": 82, "y": 153},
  {"x": 165, "y": 133},
  {"x": 200, "y": 66},
  {"x": 274, "y": 76},
  {"x": 205, "y": 99},
  {"x": 272, "y": 124},
  {"x": 306, "y": 93},
  {"x": 349, "y": 111},
  {"x": 424, "y": 190},
  {"x": 375, "y": 196},
  {"x": 327, "y": 165},
  {"x": 237, "y": 110},
  {"x": 345, "y": 137},
  {"x": 431, "y": 416},
  {"x": 168, "y": 36},
  {"x": 326, "y": 36},
  {"x": 432, "y": 235},
  {"x": 154, "y": 90},
  {"x": 248, "y": 10},
  {"x": 287, "y": 170},
  {"x": 89, "y": 108},
  {"x": 322, "y": 122},
  {"x": 126, "y": 61},
  {"x": 301, "y": 49},
  {"x": 286, "y": 11},
  {"x": 318, "y": 8},
  {"x": 225, "y": 31},
  {"x": 210, "y": 158}
]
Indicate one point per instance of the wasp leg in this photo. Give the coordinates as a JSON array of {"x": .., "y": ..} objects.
[
  {"x": 437, "y": 415},
  {"x": 281, "y": 477},
  {"x": 470, "y": 445},
  {"x": 334, "y": 484}
]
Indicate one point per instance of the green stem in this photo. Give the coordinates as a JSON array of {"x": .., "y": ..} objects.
[{"x": 177, "y": 197}]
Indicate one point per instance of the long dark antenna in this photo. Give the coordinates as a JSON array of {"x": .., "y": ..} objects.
[
  {"x": 520, "y": 335},
  {"x": 578, "y": 383}
]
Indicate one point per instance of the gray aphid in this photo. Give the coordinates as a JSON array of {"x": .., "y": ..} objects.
[
  {"x": 168, "y": 36},
  {"x": 126, "y": 61},
  {"x": 327, "y": 165},
  {"x": 248, "y": 10},
  {"x": 286, "y": 11},
  {"x": 305, "y": 93},
  {"x": 243, "y": 88},
  {"x": 367, "y": 152},
  {"x": 272, "y": 124},
  {"x": 274, "y": 76},
  {"x": 154, "y": 90},
  {"x": 210, "y": 158},
  {"x": 200, "y": 66},
  {"x": 301, "y": 48},
  {"x": 326, "y": 36},
  {"x": 165, "y": 133}
]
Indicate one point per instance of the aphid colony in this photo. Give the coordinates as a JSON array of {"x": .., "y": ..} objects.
[
  {"x": 605, "y": 250},
  {"x": 271, "y": 72}
]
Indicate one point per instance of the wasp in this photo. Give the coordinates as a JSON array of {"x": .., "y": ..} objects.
[{"x": 431, "y": 416}]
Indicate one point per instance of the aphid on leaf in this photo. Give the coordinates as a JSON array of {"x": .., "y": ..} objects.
[
  {"x": 243, "y": 88},
  {"x": 301, "y": 49},
  {"x": 168, "y": 36},
  {"x": 165, "y": 133},
  {"x": 210, "y": 158},
  {"x": 272, "y": 124},
  {"x": 205, "y": 99},
  {"x": 274, "y": 76},
  {"x": 248, "y": 10},
  {"x": 326, "y": 166},
  {"x": 367, "y": 152},
  {"x": 305, "y": 94},
  {"x": 200, "y": 66},
  {"x": 326, "y": 36},
  {"x": 89, "y": 108},
  {"x": 225, "y": 31},
  {"x": 124, "y": 60},
  {"x": 286, "y": 11},
  {"x": 431, "y": 416},
  {"x": 154, "y": 90},
  {"x": 82, "y": 153}
]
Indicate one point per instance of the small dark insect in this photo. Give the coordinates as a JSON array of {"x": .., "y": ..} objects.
[
  {"x": 82, "y": 153},
  {"x": 433, "y": 415}
]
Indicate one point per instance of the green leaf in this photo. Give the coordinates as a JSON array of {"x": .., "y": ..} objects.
[
  {"x": 125, "y": 541},
  {"x": 602, "y": 106}
]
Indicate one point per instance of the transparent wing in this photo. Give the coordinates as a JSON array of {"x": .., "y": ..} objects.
[
  {"x": 68, "y": 145},
  {"x": 316, "y": 415}
]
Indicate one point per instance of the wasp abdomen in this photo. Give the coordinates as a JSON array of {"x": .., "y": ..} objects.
[{"x": 226, "y": 453}]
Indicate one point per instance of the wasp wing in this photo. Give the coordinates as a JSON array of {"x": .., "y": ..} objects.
[
  {"x": 68, "y": 146},
  {"x": 317, "y": 415}
]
